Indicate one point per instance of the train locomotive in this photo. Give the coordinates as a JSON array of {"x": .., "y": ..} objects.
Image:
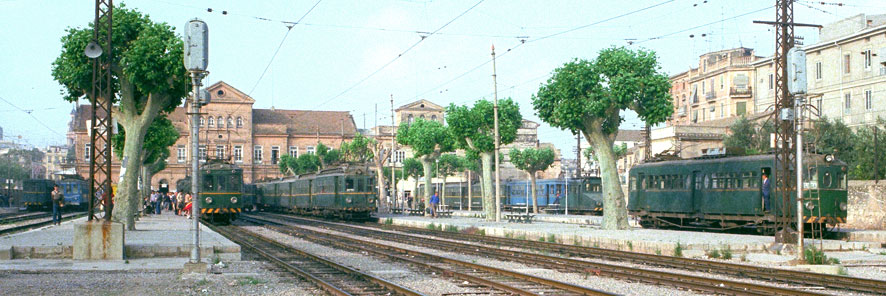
[
  {"x": 345, "y": 192},
  {"x": 221, "y": 191},
  {"x": 726, "y": 193},
  {"x": 37, "y": 193}
]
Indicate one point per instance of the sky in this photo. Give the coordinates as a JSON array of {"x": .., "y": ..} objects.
[{"x": 351, "y": 55}]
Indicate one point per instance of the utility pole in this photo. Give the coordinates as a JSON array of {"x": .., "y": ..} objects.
[
  {"x": 196, "y": 60},
  {"x": 393, "y": 152},
  {"x": 876, "y": 157},
  {"x": 101, "y": 129},
  {"x": 497, "y": 142},
  {"x": 578, "y": 155}
]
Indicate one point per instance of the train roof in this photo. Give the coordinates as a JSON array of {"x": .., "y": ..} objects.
[{"x": 807, "y": 159}]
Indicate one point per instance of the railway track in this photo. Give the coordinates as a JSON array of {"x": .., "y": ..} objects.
[
  {"x": 499, "y": 281},
  {"x": 41, "y": 223},
  {"x": 680, "y": 280},
  {"x": 333, "y": 278},
  {"x": 795, "y": 277},
  {"x": 17, "y": 217}
]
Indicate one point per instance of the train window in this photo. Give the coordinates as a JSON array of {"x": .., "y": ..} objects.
[
  {"x": 811, "y": 175},
  {"x": 349, "y": 184},
  {"x": 844, "y": 182},
  {"x": 360, "y": 186},
  {"x": 827, "y": 180},
  {"x": 632, "y": 183},
  {"x": 739, "y": 182},
  {"x": 699, "y": 181},
  {"x": 207, "y": 184}
]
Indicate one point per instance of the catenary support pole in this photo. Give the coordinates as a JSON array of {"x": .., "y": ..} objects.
[
  {"x": 497, "y": 142},
  {"x": 799, "y": 129},
  {"x": 195, "y": 163}
]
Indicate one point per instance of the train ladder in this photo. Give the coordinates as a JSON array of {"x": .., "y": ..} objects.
[{"x": 813, "y": 194}]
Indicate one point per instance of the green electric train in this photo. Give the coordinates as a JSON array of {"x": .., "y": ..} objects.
[
  {"x": 221, "y": 191},
  {"x": 726, "y": 193},
  {"x": 345, "y": 192}
]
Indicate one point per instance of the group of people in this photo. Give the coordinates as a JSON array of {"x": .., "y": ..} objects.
[{"x": 171, "y": 201}]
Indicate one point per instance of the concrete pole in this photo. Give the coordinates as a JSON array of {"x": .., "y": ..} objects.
[
  {"x": 196, "y": 78},
  {"x": 497, "y": 168},
  {"x": 799, "y": 168}
]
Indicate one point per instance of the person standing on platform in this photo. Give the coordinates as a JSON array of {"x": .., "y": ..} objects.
[
  {"x": 434, "y": 201},
  {"x": 155, "y": 202},
  {"x": 57, "y": 199},
  {"x": 766, "y": 192}
]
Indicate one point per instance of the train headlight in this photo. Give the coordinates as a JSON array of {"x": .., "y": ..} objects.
[
  {"x": 371, "y": 200},
  {"x": 829, "y": 158},
  {"x": 843, "y": 206},
  {"x": 208, "y": 200},
  {"x": 348, "y": 200},
  {"x": 233, "y": 199},
  {"x": 809, "y": 205}
]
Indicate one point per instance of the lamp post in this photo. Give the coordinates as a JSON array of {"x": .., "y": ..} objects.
[{"x": 196, "y": 59}]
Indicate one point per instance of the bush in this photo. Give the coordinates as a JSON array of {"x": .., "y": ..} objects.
[
  {"x": 713, "y": 254},
  {"x": 451, "y": 228},
  {"x": 678, "y": 250},
  {"x": 727, "y": 252},
  {"x": 815, "y": 256},
  {"x": 389, "y": 221},
  {"x": 552, "y": 238},
  {"x": 432, "y": 226}
]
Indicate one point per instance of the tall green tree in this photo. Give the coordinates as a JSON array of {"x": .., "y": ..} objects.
[
  {"x": 587, "y": 97},
  {"x": 161, "y": 134},
  {"x": 448, "y": 165},
  {"x": 866, "y": 153},
  {"x": 288, "y": 165},
  {"x": 531, "y": 161},
  {"x": 413, "y": 168},
  {"x": 358, "y": 150},
  {"x": 428, "y": 140},
  {"x": 474, "y": 129},
  {"x": 148, "y": 78},
  {"x": 833, "y": 136}
]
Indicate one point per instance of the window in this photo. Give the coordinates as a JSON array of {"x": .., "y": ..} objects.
[
  {"x": 867, "y": 59},
  {"x": 239, "y": 122},
  {"x": 87, "y": 151},
  {"x": 211, "y": 121},
  {"x": 230, "y": 122},
  {"x": 293, "y": 151},
  {"x": 434, "y": 117},
  {"x": 867, "y": 100},
  {"x": 702, "y": 87},
  {"x": 722, "y": 109},
  {"x": 817, "y": 70},
  {"x": 275, "y": 154},
  {"x": 257, "y": 154},
  {"x": 818, "y": 104},
  {"x": 409, "y": 118},
  {"x": 846, "y": 65},
  {"x": 202, "y": 153},
  {"x": 847, "y": 103},
  {"x": 221, "y": 122},
  {"x": 182, "y": 153},
  {"x": 771, "y": 81},
  {"x": 238, "y": 153},
  {"x": 310, "y": 150},
  {"x": 220, "y": 151},
  {"x": 422, "y": 116},
  {"x": 712, "y": 85},
  {"x": 201, "y": 121},
  {"x": 721, "y": 82},
  {"x": 740, "y": 108}
]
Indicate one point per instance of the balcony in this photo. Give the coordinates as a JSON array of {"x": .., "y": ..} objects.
[
  {"x": 741, "y": 91},
  {"x": 710, "y": 96}
]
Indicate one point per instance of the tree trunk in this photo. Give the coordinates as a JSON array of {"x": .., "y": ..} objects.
[
  {"x": 414, "y": 204},
  {"x": 534, "y": 194},
  {"x": 426, "y": 166},
  {"x": 382, "y": 193},
  {"x": 136, "y": 125},
  {"x": 489, "y": 205},
  {"x": 615, "y": 215}
]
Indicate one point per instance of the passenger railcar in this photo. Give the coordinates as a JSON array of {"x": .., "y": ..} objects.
[
  {"x": 76, "y": 193},
  {"x": 249, "y": 196},
  {"x": 345, "y": 192},
  {"x": 457, "y": 195},
  {"x": 585, "y": 195},
  {"x": 37, "y": 193},
  {"x": 725, "y": 193}
]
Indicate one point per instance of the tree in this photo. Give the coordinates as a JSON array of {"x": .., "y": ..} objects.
[
  {"x": 619, "y": 150},
  {"x": 833, "y": 137},
  {"x": 447, "y": 165},
  {"x": 474, "y": 130},
  {"x": 428, "y": 140},
  {"x": 148, "y": 78},
  {"x": 358, "y": 150},
  {"x": 588, "y": 96},
  {"x": 379, "y": 154},
  {"x": 413, "y": 168},
  {"x": 532, "y": 160},
  {"x": 160, "y": 135},
  {"x": 288, "y": 164}
]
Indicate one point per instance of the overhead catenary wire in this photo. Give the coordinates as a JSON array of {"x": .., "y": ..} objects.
[{"x": 32, "y": 116}]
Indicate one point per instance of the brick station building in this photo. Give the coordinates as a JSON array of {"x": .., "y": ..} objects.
[{"x": 230, "y": 128}]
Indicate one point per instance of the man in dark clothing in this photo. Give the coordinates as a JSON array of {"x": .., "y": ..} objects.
[
  {"x": 766, "y": 192},
  {"x": 57, "y": 199}
]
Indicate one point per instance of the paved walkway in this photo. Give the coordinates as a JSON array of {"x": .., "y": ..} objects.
[{"x": 156, "y": 236}]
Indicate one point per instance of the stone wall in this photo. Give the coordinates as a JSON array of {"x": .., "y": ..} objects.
[{"x": 867, "y": 205}]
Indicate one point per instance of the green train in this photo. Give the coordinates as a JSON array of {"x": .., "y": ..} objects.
[
  {"x": 37, "y": 193},
  {"x": 726, "y": 193},
  {"x": 221, "y": 191},
  {"x": 345, "y": 192}
]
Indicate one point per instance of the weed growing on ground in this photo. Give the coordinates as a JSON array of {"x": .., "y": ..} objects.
[
  {"x": 744, "y": 257},
  {"x": 552, "y": 238},
  {"x": 596, "y": 245},
  {"x": 713, "y": 253},
  {"x": 522, "y": 236},
  {"x": 630, "y": 245},
  {"x": 509, "y": 235},
  {"x": 432, "y": 226},
  {"x": 727, "y": 252},
  {"x": 482, "y": 232},
  {"x": 451, "y": 228},
  {"x": 678, "y": 250},
  {"x": 883, "y": 253},
  {"x": 658, "y": 252},
  {"x": 389, "y": 221},
  {"x": 843, "y": 271},
  {"x": 250, "y": 281},
  {"x": 216, "y": 260},
  {"x": 470, "y": 230},
  {"x": 202, "y": 282},
  {"x": 815, "y": 256},
  {"x": 541, "y": 238}
]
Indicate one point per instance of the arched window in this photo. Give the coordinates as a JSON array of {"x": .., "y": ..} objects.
[
  {"x": 230, "y": 122},
  {"x": 410, "y": 119},
  {"x": 422, "y": 116},
  {"x": 239, "y": 122},
  {"x": 201, "y": 120},
  {"x": 221, "y": 122},
  {"x": 211, "y": 121},
  {"x": 434, "y": 117}
]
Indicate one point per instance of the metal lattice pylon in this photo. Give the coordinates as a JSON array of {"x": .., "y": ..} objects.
[
  {"x": 101, "y": 129},
  {"x": 784, "y": 128}
]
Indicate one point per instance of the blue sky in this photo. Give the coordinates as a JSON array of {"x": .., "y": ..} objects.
[{"x": 327, "y": 61}]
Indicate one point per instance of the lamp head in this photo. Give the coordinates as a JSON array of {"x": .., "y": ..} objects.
[{"x": 92, "y": 50}]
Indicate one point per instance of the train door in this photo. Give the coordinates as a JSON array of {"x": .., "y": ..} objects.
[
  {"x": 641, "y": 191},
  {"x": 768, "y": 173},
  {"x": 696, "y": 185}
]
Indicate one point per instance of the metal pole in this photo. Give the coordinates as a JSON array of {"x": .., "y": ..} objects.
[
  {"x": 393, "y": 153},
  {"x": 876, "y": 157},
  {"x": 195, "y": 163},
  {"x": 799, "y": 129},
  {"x": 566, "y": 212},
  {"x": 495, "y": 115}
]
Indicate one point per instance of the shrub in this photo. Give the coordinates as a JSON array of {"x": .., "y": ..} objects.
[
  {"x": 389, "y": 221},
  {"x": 727, "y": 252},
  {"x": 713, "y": 253},
  {"x": 552, "y": 238},
  {"x": 630, "y": 245},
  {"x": 678, "y": 250},
  {"x": 432, "y": 226},
  {"x": 451, "y": 228},
  {"x": 815, "y": 256}
]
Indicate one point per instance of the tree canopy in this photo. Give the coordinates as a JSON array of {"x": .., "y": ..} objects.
[
  {"x": 303, "y": 164},
  {"x": 358, "y": 150},
  {"x": 474, "y": 127},
  {"x": 532, "y": 160},
  {"x": 160, "y": 135},
  {"x": 427, "y": 138},
  {"x": 588, "y": 96}
]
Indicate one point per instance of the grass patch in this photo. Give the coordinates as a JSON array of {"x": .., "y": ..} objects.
[
  {"x": 509, "y": 235},
  {"x": 678, "y": 250},
  {"x": 250, "y": 281},
  {"x": 552, "y": 238},
  {"x": 216, "y": 259},
  {"x": 630, "y": 245},
  {"x": 522, "y": 237},
  {"x": 744, "y": 257},
  {"x": 472, "y": 230},
  {"x": 389, "y": 221},
  {"x": 202, "y": 282},
  {"x": 714, "y": 253},
  {"x": 727, "y": 252},
  {"x": 451, "y": 228},
  {"x": 883, "y": 253},
  {"x": 541, "y": 238},
  {"x": 596, "y": 245},
  {"x": 432, "y": 226},
  {"x": 658, "y": 252},
  {"x": 815, "y": 256}
]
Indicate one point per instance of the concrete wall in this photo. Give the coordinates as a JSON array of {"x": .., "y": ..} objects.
[{"x": 867, "y": 205}]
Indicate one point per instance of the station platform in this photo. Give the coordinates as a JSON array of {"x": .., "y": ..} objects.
[
  {"x": 165, "y": 236},
  {"x": 586, "y": 231}
]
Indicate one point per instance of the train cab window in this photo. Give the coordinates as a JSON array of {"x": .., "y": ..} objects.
[
  {"x": 349, "y": 184},
  {"x": 827, "y": 180},
  {"x": 360, "y": 186},
  {"x": 844, "y": 181},
  {"x": 208, "y": 184}
]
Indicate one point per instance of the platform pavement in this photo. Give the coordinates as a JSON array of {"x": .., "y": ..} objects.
[
  {"x": 652, "y": 241},
  {"x": 163, "y": 236}
]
